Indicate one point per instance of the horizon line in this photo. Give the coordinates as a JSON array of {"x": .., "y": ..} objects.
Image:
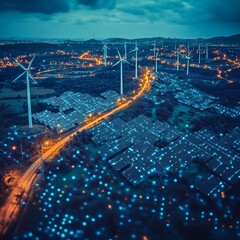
[{"x": 100, "y": 39}]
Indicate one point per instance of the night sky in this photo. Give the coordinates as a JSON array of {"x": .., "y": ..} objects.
[{"x": 83, "y": 19}]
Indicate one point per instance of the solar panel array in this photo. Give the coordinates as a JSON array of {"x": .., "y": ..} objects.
[
  {"x": 195, "y": 99},
  {"x": 80, "y": 105},
  {"x": 132, "y": 144},
  {"x": 129, "y": 148},
  {"x": 226, "y": 111},
  {"x": 187, "y": 94}
]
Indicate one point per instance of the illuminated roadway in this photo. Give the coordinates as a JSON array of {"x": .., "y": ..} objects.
[{"x": 13, "y": 205}]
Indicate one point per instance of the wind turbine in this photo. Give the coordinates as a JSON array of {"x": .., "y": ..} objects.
[
  {"x": 185, "y": 56},
  {"x": 154, "y": 49},
  {"x": 175, "y": 47},
  {"x": 105, "y": 48},
  {"x": 156, "y": 62},
  {"x": 206, "y": 47},
  {"x": 136, "y": 56},
  {"x": 188, "y": 58},
  {"x": 199, "y": 53},
  {"x": 125, "y": 49},
  {"x": 28, "y": 75},
  {"x": 121, "y": 60},
  {"x": 177, "y": 59}
]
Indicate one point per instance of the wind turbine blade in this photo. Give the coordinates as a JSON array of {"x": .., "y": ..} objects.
[
  {"x": 31, "y": 77},
  {"x": 119, "y": 54},
  {"x": 132, "y": 51},
  {"x": 126, "y": 61},
  {"x": 20, "y": 64},
  {"x": 29, "y": 65},
  {"x": 116, "y": 64},
  {"x": 18, "y": 77}
]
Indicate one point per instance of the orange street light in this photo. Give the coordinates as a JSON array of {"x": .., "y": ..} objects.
[{"x": 46, "y": 143}]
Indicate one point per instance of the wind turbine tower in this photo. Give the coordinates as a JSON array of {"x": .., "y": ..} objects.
[
  {"x": 154, "y": 49},
  {"x": 177, "y": 60},
  {"x": 199, "y": 53},
  {"x": 105, "y": 48},
  {"x": 136, "y": 60},
  {"x": 28, "y": 77},
  {"x": 188, "y": 59},
  {"x": 121, "y": 61},
  {"x": 125, "y": 49},
  {"x": 206, "y": 46},
  {"x": 156, "y": 62}
]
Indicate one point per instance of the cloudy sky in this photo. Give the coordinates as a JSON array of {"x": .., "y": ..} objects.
[{"x": 83, "y": 19}]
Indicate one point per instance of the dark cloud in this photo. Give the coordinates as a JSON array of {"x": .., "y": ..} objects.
[
  {"x": 52, "y": 6},
  {"x": 110, "y": 4},
  {"x": 224, "y": 11},
  {"x": 186, "y": 12},
  {"x": 35, "y": 6},
  {"x": 172, "y": 11},
  {"x": 156, "y": 11}
]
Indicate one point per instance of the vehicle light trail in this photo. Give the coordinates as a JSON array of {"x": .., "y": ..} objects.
[{"x": 13, "y": 204}]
